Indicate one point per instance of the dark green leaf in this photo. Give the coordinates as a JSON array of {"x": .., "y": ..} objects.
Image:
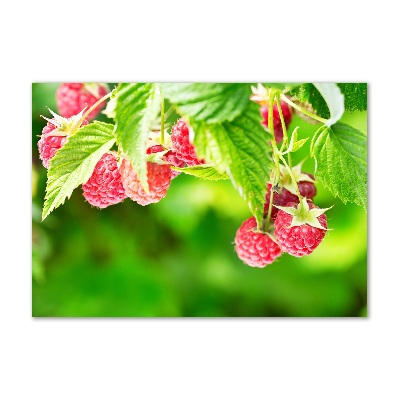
[
  {"x": 334, "y": 100},
  {"x": 355, "y": 96},
  {"x": 208, "y": 102},
  {"x": 241, "y": 149},
  {"x": 307, "y": 92}
]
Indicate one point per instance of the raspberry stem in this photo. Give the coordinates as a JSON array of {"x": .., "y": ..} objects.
[
  {"x": 162, "y": 122},
  {"x": 265, "y": 222},
  {"x": 89, "y": 111},
  {"x": 285, "y": 135},
  {"x": 292, "y": 177},
  {"x": 297, "y": 107}
]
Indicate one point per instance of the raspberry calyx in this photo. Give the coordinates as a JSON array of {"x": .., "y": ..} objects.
[{"x": 300, "y": 228}]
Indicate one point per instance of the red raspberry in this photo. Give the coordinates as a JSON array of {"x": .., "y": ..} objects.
[
  {"x": 302, "y": 239},
  {"x": 104, "y": 188},
  {"x": 158, "y": 177},
  {"x": 72, "y": 98},
  {"x": 306, "y": 189},
  {"x": 255, "y": 248},
  {"x": 287, "y": 117},
  {"x": 169, "y": 157},
  {"x": 181, "y": 144},
  {"x": 49, "y": 145}
]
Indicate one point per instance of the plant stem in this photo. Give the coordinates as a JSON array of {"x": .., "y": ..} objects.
[
  {"x": 291, "y": 176},
  {"x": 285, "y": 136},
  {"x": 267, "y": 218},
  {"x": 89, "y": 111},
  {"x": 162, "y": 122},
  {"x": 297, "y": 107}
]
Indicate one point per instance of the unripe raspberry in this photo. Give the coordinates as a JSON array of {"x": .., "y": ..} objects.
[
  {"x": 158, "y": 177},
  {"x": 104, "y": 187},
  {"x": 72, "y": 98},
  {"x": 182, "y": 145},
  {"x": 255, "y": 248},
  {"x": 308, "y": 230}
]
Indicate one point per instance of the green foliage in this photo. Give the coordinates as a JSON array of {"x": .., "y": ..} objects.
[
  {"x": 73, "y": 164},
  {"x": 334, "y": 100},
  {"x": 208, "y": 102},
  {"x": 355, "y": 96},
  {"x": 203, "y": 172},
  {"x": 241, "y": 149},
  {"x": 307, "y": 92},
  {"x": 340, "y": 154},
  {"x": 137, "y": 105}
]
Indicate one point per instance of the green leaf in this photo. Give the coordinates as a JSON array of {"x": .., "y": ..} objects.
[
  {"x": 203, "y": 172},
  {"x": 340, "y": 153},
  {"x": 355, "y": 96},
  {"x": 295, "y": 144},
  {"x": 137, "y": 105},
  {"x": 208, "y": 102},
  {"x": 241, "y": 149},
  {"x": 334, "y": 99},
  {"x": 74, "y": 163},
  {"x": 307, "y": 92}
]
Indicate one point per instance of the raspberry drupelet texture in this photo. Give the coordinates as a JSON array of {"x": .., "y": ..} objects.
[
  {"x": 287, "y": 117},
  {"x": 181, "y": 144},
  {"x": 72, "y": 98},
  {"x": 255, "y": 248},
  {"x": 301, "y": 240},
  {"x": 158, "y": 177},
  {"x": 104, "y": 187},
  {"x": 169, "y": 157},
  {"x": 306, "y": 189},
  {"x": 48, "y": 145}
]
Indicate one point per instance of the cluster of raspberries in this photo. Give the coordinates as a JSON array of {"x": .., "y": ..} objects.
[
  {"x": 114, "y": 178},
  {"x": 298, "y": 228},
  {"x": 298, "y": 225}
]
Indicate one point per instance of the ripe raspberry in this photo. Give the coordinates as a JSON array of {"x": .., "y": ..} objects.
[
  {"x": 287, "y": 117},
  {"x": 158, "y": 177},
  {"x": 255, "y": 248},
  {"x": 72, "y": 98},
  {"x": 104, "y": 187},
  {"x": 48, "y": 144},
  {"x": 169, "y": 157},
  {"x": 181, "y": 144},
  {"x": 306, "y": 189},
  {"x": 300, "y": 228}
]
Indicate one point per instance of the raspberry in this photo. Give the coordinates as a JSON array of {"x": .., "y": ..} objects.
[
  {"x": 158, "y": 177},
  {"x": 104, "y": 187},
  {"x": 306, "y": 189},
  {"x": 287, "y": 117},
  {"x": 181, "y": 144},
  {"x": 169, "y": 157},
  {"x": 255, "y": 248},
  {"x": 300, "y": 228},
  {"x": 48, "y": 144},
  {"x": 72, "y": 98}
]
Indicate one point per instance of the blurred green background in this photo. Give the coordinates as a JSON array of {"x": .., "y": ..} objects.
[{"x": 176, "y": 258}]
